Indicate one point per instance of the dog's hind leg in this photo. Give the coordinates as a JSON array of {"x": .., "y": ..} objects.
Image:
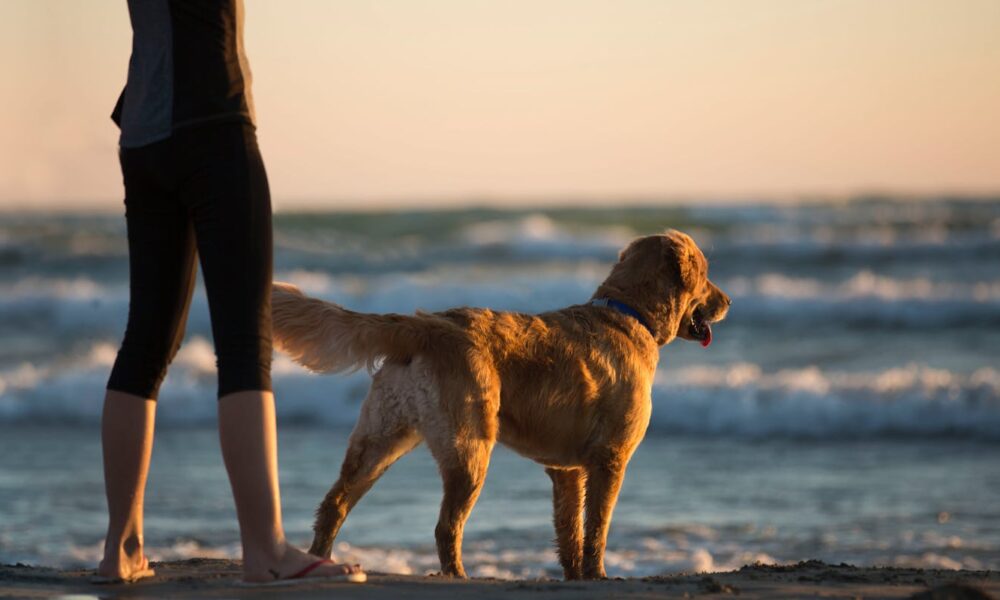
[
  {"x": 603, "y": 484},
  {"x": 458, "y": 418},
  {"x": 567, "y": 504},
  {"x": 380, "y": 438},
  {"x": 463, "y": 471},
  {"x": 366, "y": 460}
]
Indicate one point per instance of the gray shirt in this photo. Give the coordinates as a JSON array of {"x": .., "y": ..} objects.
[{"x": 188, "y": 67}]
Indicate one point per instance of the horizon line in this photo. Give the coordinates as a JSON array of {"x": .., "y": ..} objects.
[{"x": 426, "y": 203}]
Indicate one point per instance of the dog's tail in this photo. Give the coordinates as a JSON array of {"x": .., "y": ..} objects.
[{"x": 328, "y": 338}]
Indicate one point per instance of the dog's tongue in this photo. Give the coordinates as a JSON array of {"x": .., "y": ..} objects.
[{"x": 705, "y": 341}]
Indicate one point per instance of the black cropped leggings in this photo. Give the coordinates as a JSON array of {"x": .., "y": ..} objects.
[{"x": 200, "y": 193}]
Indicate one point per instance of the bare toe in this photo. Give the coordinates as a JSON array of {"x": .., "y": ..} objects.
[{"x": 122, "y": 573}]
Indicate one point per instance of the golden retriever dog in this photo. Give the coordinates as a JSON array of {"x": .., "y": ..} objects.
[{"x": 569, "y": 389}]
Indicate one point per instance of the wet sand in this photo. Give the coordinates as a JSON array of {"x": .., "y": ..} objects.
[{"x": 213, "y": 578}]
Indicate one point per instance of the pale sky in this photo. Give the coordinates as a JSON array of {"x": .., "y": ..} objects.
[{"x": 431, "y": 102}]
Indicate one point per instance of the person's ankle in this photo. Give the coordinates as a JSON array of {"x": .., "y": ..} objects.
[
  {"x": 123, "y": 558},
  {"x": 126, "y": 548},
  {"x": 132, "y": 546},
  {"x": 264, "y": 556}
]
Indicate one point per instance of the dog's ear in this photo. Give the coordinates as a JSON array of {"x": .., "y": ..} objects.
[
  {"x": 642, "y": 248},
  {"x": 682, "y": 253},
  {"x": 665, "y": 263},
  {"x": 629, "y": 250}
]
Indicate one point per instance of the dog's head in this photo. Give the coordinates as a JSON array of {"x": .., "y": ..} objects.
[{"x": 665, "y": 278}]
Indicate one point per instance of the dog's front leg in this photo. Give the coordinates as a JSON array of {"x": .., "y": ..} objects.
[
  {"x": 567, "y": 514},
  {"x": 603, "y": 484}
]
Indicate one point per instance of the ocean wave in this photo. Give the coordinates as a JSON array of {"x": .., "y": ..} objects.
[
  {"x": 84, "y": 308},
  {"x": 523, "y": 242},
  {"x": 864, "y": 284},
  {"x": 540, "y": 235},
  {"x": 739, "y": 238},
  {"x": 79, "y": 306},
  {"x": 971, "y": 255},
  {"x": 739, "y": 399},
  {"x": 864, "y": 299},
  {"x": 65, "y": 308},
  {"x": 860, "y": 284},
  {"x": 743, "y": 400},
  {"x": 537, "y": 239}
]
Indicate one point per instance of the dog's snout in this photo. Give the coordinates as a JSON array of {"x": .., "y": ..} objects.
[{"x": 722, "y": 296}]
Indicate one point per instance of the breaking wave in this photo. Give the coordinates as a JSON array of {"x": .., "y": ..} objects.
[
  {"x": 912, "y": 400},
  {"x": 739, "y": 399}
]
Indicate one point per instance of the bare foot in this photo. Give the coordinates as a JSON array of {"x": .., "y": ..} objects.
[
  {"x": 123, "y": 569},
  {"x": 292, "y": 563}
]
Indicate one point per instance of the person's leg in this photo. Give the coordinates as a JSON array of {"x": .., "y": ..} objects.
[
  {"x": 161, "y": 279},
  {"x": 248, "y": 436},
  {"x": 127, "y": 438},
  {"x": 231, "y": 206}
]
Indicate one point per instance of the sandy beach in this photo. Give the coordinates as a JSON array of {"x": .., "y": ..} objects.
[{"x": 213, "y": 578}]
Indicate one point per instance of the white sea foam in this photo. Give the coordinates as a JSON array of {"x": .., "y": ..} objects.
[
  {"x": 643, "y": 555},
  {"x": 83, "y": 307},
  {"x": 863, "y": 285},
  {"x": 481, "y": 558},
  {"x": 38, "y": 291},
  {"x": 739, "y": 399},
  {"x": 56, "y": 288},
  {"x": 539, "y": 235}
]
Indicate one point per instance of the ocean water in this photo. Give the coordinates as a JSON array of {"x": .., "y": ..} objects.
[{"x": 848, "y": 409}]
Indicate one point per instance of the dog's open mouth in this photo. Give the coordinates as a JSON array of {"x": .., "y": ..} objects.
[{"x": 700, "y": 329}]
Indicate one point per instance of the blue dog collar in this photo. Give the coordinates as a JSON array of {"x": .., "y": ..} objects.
[{"x": 624, "y": 309}]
